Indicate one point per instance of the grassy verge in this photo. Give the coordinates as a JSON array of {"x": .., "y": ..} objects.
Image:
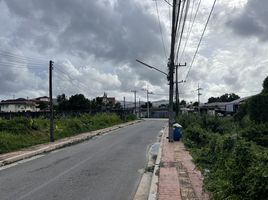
[
  {"x": 233, "y": 156},
  {"x": 19, "y": 133}
]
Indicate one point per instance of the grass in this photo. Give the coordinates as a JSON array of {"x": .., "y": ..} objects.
[
  {"x": 233, "y": 155},
  {"x": 21, "y": 132}
]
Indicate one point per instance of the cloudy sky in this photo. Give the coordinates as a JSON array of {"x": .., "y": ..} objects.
[{"x": 94, "y": 44}]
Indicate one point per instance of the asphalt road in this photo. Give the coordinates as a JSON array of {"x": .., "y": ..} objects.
[{"x": 104, "y": 168}]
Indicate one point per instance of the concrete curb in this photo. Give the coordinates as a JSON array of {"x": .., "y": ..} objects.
[
  {"x": 154, "y": 182},
  {"x": 63, "y": 143}
]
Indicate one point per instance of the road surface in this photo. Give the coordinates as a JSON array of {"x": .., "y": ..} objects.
[{"x": 107, "y": 167}]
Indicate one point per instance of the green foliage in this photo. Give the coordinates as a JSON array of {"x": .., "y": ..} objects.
[
  {"x": 195, "y": 136},
  {"x": 75, "y": 102},
  {"x": 22, "y": 132},
  {"x": 232, "y": 155},
  {"x": 224, "y": 98},
  {"x": 258, "y": 108},
  {"x": 257, "y": 133},
  {"x": 265, "y": 86},
  {"x": 242, "y": 112}
]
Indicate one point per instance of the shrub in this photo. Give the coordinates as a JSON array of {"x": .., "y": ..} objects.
[
  {"x": 258, "y": 108},
  {"x": 195, "y": 136},
  {"x": 257, "y": 133}
]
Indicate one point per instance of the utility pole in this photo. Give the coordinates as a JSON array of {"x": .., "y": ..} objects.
[
  {"x": 124, "y": 104},
  {"x": 139, "y": 108},
  {"x": 135, "y": 92},
  {"x": 50, "y": 102},
  {"x": 148, "y": 108},
  {"x": 199, "y": 94},
  {"x": 171, "y": 66},
  {"x": 177, "y": 89}
]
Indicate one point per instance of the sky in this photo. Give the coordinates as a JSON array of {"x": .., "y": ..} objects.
[{"x": 94, "y": 45}]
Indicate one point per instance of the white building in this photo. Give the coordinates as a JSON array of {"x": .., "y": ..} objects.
[{"x": 18, "y": 105}]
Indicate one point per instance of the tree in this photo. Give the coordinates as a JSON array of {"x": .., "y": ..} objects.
[
  {"x": 62, "y": 102},
  {"x": 224, "y": 98},
  {"x": 96, "y": 104},
  {"x": 183, "y": 103},
  {"x": 265, "y": 85},
  {"x": 195, "y": 104},
  {"x": 118, "y": 105},
  {"x": 258, "y": 105},
  {"x": 145, "y": 105},
  {"x": 79, "y": 102}
]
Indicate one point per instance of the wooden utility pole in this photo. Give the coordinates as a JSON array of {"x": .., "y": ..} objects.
[{"x": 51, "y": 102}]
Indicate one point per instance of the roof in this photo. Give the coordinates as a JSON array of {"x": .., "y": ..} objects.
[
  {"x": 237, "y": 101},
  {"x": 17, "y": 101},
  {"x": 215, "y": 104}
]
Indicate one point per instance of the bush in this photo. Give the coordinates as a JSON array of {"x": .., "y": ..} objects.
[
  {"x": 229, "y": 155},
  {"x": 257, "y": 133},
  {"x": 195, "y": 136},
  {"x": 258, "y": 108},
  {"x": 22, "y": 132}
]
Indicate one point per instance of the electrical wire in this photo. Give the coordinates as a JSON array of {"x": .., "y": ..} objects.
[
  {"x": 190, "y": 31},
  {"x": 70, "y": 79},
  {"x": 160, "y": 29},
  {"x": 201, "y": 38},
  {"x": 182, "y": 30}
]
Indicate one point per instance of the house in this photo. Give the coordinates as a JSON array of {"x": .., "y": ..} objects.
[
  {"x": 223, "y": 108},
  {"x": 43, "y": 99},
  {"x": 108, "y": 101},
  {"x": 41, "y": 102},
  {"x": 18, "y": 105},
  {"x": 233, "y": 106}
]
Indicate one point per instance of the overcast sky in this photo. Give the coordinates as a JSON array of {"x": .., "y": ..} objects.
[{"x": 94, "y": 44}]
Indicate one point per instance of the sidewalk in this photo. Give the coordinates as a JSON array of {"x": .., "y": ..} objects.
[{"x": 178, "y": 177}]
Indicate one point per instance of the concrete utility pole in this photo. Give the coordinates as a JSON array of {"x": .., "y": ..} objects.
[
  {"x": 148, "y": 108},
  {"x": 199, "y": 94},
  {"x": 177, "y": 89},
  {"x": 135, "y": 92},
  {"x": 124, "y": 104},
  {"x": 139, "y": 108},
  {"x": 171, "y": 66},
  {"x": 51, "y": 102}
]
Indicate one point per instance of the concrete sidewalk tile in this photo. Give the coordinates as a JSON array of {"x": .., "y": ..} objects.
[{"x": 168, "y": 184}]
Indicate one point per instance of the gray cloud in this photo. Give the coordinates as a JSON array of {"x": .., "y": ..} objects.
[
  {"x": 117, "y": 32},
  {"x": 252, "y": 20}
]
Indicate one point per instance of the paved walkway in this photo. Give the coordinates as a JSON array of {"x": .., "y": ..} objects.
[{"x": 178, "y": 177}]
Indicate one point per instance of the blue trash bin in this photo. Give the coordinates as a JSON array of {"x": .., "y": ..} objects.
[{"x": 177, "y": 133}]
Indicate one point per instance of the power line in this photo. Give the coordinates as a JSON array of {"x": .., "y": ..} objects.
[
  {"x": 70, "y": 79},
  {"x": 17, "y": 56},
  {"x": 190, "y": 31},
  {"x": 160, "y": 28},
  {"x": 182, "y": 30},
  {"x": 200, "y": 39}
]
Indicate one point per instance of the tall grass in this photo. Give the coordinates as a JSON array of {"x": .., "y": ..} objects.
[
  {"x": 22, "y": 132},
  {"x": 232, "y": 155}
]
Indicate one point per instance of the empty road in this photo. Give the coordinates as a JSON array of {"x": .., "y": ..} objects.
[{"x": 103, "y": 168}]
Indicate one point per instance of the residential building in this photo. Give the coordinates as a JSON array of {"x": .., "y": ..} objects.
[
  {"x": 18, "y": 105},
  {"x": 108, "y": 101}
]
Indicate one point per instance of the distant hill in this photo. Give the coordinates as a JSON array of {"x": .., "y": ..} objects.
[{"x": 130, "y": 104}]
